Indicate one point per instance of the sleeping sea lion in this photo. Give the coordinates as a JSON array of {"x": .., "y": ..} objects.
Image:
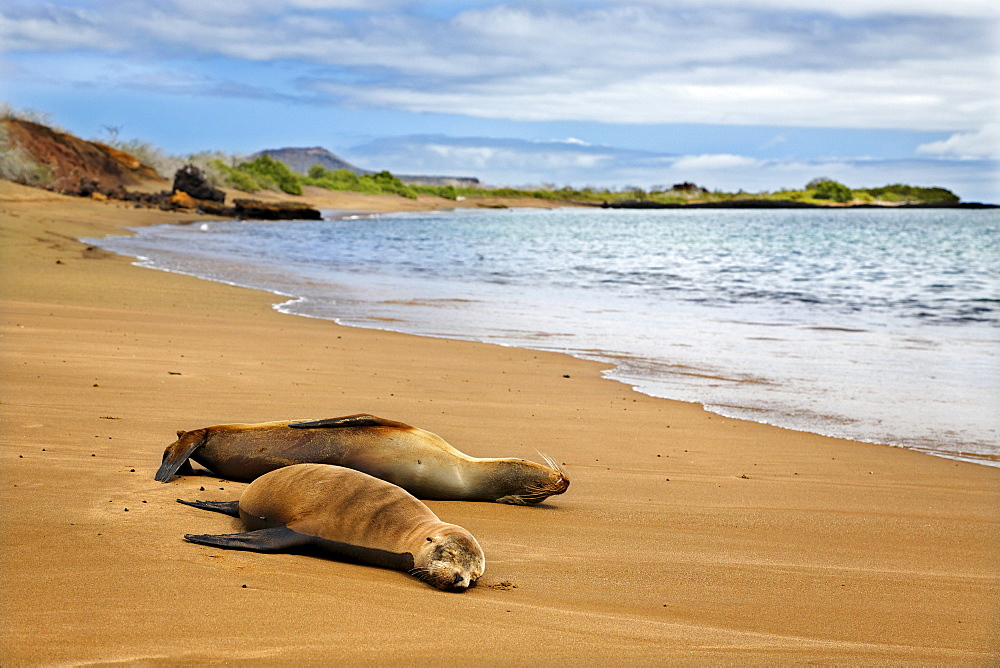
[
  {"x": 420, "y": 462},
  {"x": 350, "y": 514}
]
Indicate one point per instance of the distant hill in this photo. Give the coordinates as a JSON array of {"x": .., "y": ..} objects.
[{"x": 301, "y": 159}]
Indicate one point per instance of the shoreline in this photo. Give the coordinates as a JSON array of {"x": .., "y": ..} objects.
[
  {"x": 297, "y": 303},
  {"x": 684, "y": 537}
]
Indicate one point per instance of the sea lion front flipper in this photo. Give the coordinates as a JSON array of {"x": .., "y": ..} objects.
[
  {"x": 224, "y": 507},
  {"x": 177, "y": 453},
  {"x": 274, "y": 539},
  {"x": 359, "y": 420}
]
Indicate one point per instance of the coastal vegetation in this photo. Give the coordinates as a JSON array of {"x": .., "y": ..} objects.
[{"x": 265, "y": 173}]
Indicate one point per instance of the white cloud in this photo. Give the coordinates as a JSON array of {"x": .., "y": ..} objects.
[
  {"x": 911, "y": 64},
  {"x": 850, "y": 8},
  {"x": 889, "y": 97},
  {"x": 717, "y": 161},
  {"x": 506, "y": 162},
  {"x": 981, "y": 143}
]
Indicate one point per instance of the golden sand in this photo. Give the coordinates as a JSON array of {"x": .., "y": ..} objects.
[{"x": 685, "y": 537}]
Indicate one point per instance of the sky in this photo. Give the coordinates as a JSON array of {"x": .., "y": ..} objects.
[{"x": 754, "y": 95}]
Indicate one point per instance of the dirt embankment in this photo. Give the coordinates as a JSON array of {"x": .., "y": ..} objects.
[{"x": 75, "y": 165}]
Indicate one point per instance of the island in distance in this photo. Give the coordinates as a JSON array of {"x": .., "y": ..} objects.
[{"x": 301, "y": 159}]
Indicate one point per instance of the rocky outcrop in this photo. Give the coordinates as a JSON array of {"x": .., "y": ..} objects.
[
  {"x": 76, "y": 166},
  {"x": 90, "y": 169},
  {"x": 192, "y": 181},
  {"x": 257, "y": 210}
]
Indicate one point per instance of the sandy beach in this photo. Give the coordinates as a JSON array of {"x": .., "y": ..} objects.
[{"x": 684, "y": 537}]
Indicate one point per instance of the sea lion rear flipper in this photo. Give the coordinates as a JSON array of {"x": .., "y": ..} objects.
[
  {"x": 274, "y": 539},
  {"x": 177, "y": 453},
  {"x": 224, "y": 507},
  {"x": 360, "y": 420}
]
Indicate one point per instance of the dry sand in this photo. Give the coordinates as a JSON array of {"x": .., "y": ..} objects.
[{"x": 684, "y": 537}]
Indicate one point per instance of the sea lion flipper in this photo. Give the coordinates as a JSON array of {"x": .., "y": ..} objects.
[
  {"x": 224, "y": 507},
  {"x": 360, "y": 420},
  {"x": 274, "y": 539},
  {"x": 177, "y": 453}
]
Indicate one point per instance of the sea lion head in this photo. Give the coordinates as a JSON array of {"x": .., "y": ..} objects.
[
  {"x": 525, "y": 483},
  {"x": 451, "y": 560}
]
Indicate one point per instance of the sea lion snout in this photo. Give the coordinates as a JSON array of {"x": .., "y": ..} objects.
[
  {"x": 452, "y": 564},
  {"x": 529, "y": 483}
]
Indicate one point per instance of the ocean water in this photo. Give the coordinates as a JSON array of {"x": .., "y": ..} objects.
[{"x": 876, "y": 325}]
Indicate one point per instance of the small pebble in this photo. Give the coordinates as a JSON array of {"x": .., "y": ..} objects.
[
  {"x": 132, "y": 471},
  {"x": 202, "y": 489},
  {"x": 244, "y": 586}
]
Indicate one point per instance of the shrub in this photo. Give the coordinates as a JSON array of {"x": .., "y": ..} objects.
[
  {"x": 273, "y": 171},
  {"x": 837, "y": 192},
  {"x": 223, "y": 174},
  {"x": 18, "y": 166},
  {"x": 340, "y": 179},
  {"x": 903, "y": 193}
]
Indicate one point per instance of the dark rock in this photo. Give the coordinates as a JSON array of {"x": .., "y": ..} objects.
[
  {"x": 250, "y": 208},
  {"x": 688, "y": 187},
  {"x": 191, "y": 180}
]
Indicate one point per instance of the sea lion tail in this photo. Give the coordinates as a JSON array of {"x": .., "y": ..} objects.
[
  {"x": 177, "y": 453},
  {"x": 224, "y": 507}
]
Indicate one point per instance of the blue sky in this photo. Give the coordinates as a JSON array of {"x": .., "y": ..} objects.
[{"x": 757, "y": 94}]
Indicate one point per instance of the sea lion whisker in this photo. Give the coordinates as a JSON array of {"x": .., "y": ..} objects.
[{"x": 551, "y": 462}]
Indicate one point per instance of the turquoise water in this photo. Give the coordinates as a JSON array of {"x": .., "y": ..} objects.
[{"x": 876, "y": 325}]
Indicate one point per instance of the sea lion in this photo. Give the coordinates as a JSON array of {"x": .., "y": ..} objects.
[
  {"x": 350, "y": 514},
  {"x": 420, "y": 462}
]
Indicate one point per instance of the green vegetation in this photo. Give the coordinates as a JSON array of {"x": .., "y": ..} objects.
[
  {"x": 266, "y": 173},
  {"x": 269, "y": 173},
  {"x": 832, "y": 190},
  {"x": 821, "y": 191},
  {"x": 901, "y": 193}
]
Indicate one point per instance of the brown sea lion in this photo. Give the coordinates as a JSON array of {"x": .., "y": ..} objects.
[
  {"x": 350, "y": 514},
  {"x": 420, "y": 462}
]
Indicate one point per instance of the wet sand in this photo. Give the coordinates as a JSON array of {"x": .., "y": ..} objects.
[{"x": 684, "y": 537}]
